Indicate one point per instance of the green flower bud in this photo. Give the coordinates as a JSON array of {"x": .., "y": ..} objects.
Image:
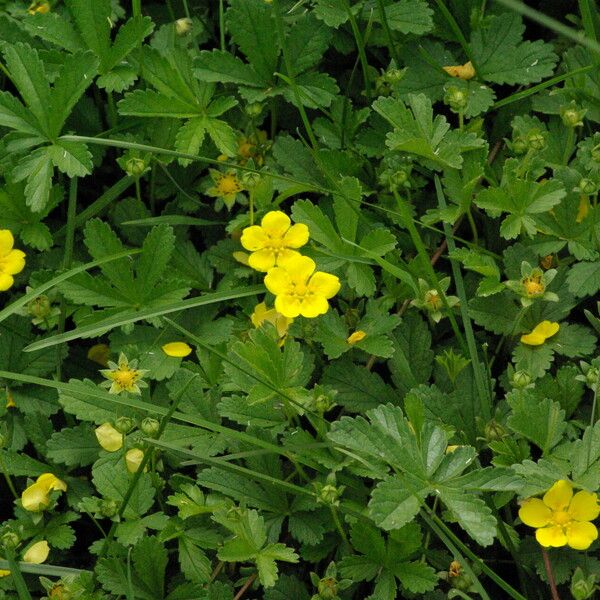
[
  {"x": 592, "y": 376},
  {"x": 10, "y": 540},
  {"x": 596, "y": 153},
  {"x": 124, "y": 425},
  {"x": 183, "y": 26},
  {"x": 135, "y": 167},
  {"x": 394, "y": 75},
  {"x": 587, "y": 186},
  {"x": 109, "y": 507},
  {"x": 521, "y": 379},
  {"x": 494, "y": 431},
  {"x": 150, "y": 427},
  {"x": 572, "y": 116},
  {"x": 582, "y": 587},
  {"x": 327, "y": 588},
  {"x": 254, "y": 110},
  {"x": 536, "y": 140},
  {"x": 39, "y": 307},
  {"x": 456, "y": 98},
  {"x": 519, "y": 146},
  {"x": 60, "y": 591},
  {"x": 330, "y": 494}
]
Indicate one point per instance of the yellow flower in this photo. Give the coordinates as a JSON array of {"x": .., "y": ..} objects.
[
  {"x": 299, "y": 290},
  {"x": 466, "y": 71},
  {"x": 123, "y": 377},
  {"x": 40, "y": 7},
  {"x": 561, "y": 518},
  {"x": 274, "y": 241},
  {"x": 133, "y": 459},
  {"x": 177, "y": 349},
  {"x": 356, "y": 337},
  {"x": 37, "y": 553},
  {"x": 10, "y": 401},
  {"x": 99, "y": 353},
  {"x": 262, "y": 314},
  {"x": 227, "y": 186},
  {"x": 37, "y": 496},
  {"x": 108, "y": 437},
  {"x": 541, "y": 332},
  {"x": 11, "y": 261}
]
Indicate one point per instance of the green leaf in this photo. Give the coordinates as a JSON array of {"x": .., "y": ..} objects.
[
  {"x": 218, "y": 66},
  {"x": 196, "y": 566},
  {"x": 72, "y": 158},
  {"x": 150, "y": 562},
  {"x": 497, "y": 314},
  {"x": 332, "y": 12},
  {"x": 223, "y": 136},
  {"x": 149, "y": 103},
  {"x": 585, "y": 458},
  {"x": 15, "y": 116},
  {"x": 93, "y": 23},
  {"x": 540, "y": 422},
  {"x": 407, "y": 16},
  {"x": 396, "y": 501},
  {"x": 584, "y": 278},
  {"x": 307, "y": 42},
  {"x": 320, "y": 226},
  {"x": 156, "y": 253},
  {"x": 416, "y": 577},
  {"x": 54, "y": 28},
  {"x": 253, "y": 29},
  {"x": 37, "y": 169},
  {"x": 74, "y": 446},
  {"x": 130, "y": 35},
  {"x": 417, "y": 132},
  {"x": 502, "y": 57}
]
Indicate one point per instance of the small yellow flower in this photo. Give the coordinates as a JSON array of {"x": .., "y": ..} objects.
[
  {"x": 177, "y": 349},
  {"x": 11, "y": 261},
  {"x": 561, "y": 518},
  {"x": 541, "y": 332},
  {"x": 533, "y": 286},
  {"x": 356, "y": 337},
  {"x": 37, "y": 496},
  {"x": 226, "y": 186},
  {"x": 133, "y": 459},
  {"x": 10, "y": 401},
  {"x": 37, "y": 553},
  {"x": 39, "y": 7},
  {"x": 466, "y": 71},
  {"x": 299, "y": 290},
  {"x": 99, "y": 353},
  {"x": 109, "y": 438},
  {"x": 123, "y": 377},
  {"x": 262, "y": 314},
  {"x": 274, "y": 241}
]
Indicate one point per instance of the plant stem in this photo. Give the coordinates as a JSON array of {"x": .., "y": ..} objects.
[
  {"x": 245, "y": 587},
  {"x": 8, "y": 478},
  {"x": 550, "y": 575},
  {"x": 136, "y": 7},
  {"x": 568, "y": 146},
  {"x": 251, "y": 205},
  {"x": 388, "y": 33},
  {"x": 17, "y": 576},
  {"x": 338, "y": 524},
  {"x": 360, "y": 45},
  {"x": 221, "y": 26}
]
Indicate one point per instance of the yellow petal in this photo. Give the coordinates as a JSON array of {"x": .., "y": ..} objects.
[
  {"x": 300, "y": 268},
  {"x": 177, "y": 349},
  {"x": 13, "y": 263},
  {"x": 35, "y": 498},
  {"x": 241, "y": 257},
  {"x": 324, "y": 284},
  {"x": 288, "y": 306},
  {"x": 559, "y": 495},
  {"x": 277, "y": 281},
  {"x": 465, "y": 71},
  {"x": 541, "y": 332},
  {"x": 296, "y": 236},
  {"x": 284, "y": 255},
  {"x": 133, "y": 459},
  {"x": 551, "y": 537},
  {"x": 356, "y": 337},
  {"x": 37, "y": 553},
  {"x": 108, "y": 437},
  {"x": 260, "y": 314},
  {"x": 7, "y": 241},
  {"x": 6, "y": 282},
  {"x": 276, "y": 223},
  {"x": 313, "y": 306},
  {"x": 4, "y": 573},
  {"x": 584, "y": 506},
  {"x": 262, "y": 260},
  {"x": 581, "y": 535},
  {"x": 51, "y": 482},
  {"x": 254, "y": 238},
  {"x": 535, "y": 513}
]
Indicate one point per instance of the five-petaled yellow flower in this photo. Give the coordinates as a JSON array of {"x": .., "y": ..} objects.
[
  {"x": 124, "y": 376},
  {"x": 299, "y": 290},
  {"x": 11, "y": 261},
  {"x": 177, "y": 349},
  {"x": 274, "y": 241},
  {"x": 561, "y": 518},
  {"x": 541, "y": 332},
  {"x": 226, "y": 186},
  {"x": 37, "y": 496}
]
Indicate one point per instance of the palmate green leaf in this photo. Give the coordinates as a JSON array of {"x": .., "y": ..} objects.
[
  {"x": 406, "y": 16},
  {"x": 196, "y": 566},
  {"x": 540, "y": 422},
  {"x": 535, "y": 360},
  {"x": 584, "y": 278},
  {"x": 502, "y": 57},
  {"x": 417, "y": 132},
  {"x": 397, "y": 500},
  {"x": 219, "y": 66},
  {"x": 307, "y": 42},
  {"x": 54, "y": 28},
  {"x": 74, "y": 446},
  {"x": 332, "y": 12},
  {"x": 37, "y": 169},
  {"x": 497, "y": 314},
  {"x": 585, "y": 458}
]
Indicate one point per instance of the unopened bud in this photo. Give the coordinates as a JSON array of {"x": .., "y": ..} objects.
[
  {"x": 124, "y": 424},
  {"x": 109, "y": 507},
  {"x": 521, "y": 379},
  {"x": 39, "y": 307},
  {"x": 587, "y": 186},
  {"x": 183, "y": 26},
  {"x": 135, "y": 167},
  {"x": 10, "y": 540},
  {"x": 535, "y": 140},
  {"x": 254, "y": 109},
  {"x": 150, "y": 427}
]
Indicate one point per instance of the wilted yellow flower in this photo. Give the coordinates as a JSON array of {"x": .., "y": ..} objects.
[
  {"x": 39, "y": 7},
  {"x": 10, "y": 401},
  {"x": 274, "y": 241},
  {"x": 37, "y": 553},
  {"x": 99, "y": 353},
  {"x": 226, "y": 186},
  {"x": 109, "y": 438},
  {"x": 299, "y": 290},
  {"x": 133, "y": 459},
  {"x": 466, "y": 71},
  {"x": 11, "y": 261},
  {"x": 177, "y": 349},
  {"x": 561, "y": 518},
  {"x": 124, "y": 376},
  {"x": 541, "y": 332},
  {"x": 262, "y": 314},
  {"x": 37, "y": 496},
  {"x": 356, "y": 337}
]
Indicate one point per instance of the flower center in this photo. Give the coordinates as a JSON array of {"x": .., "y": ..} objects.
[
  {"x": 433, "y": 299},
  {"x": 561, "y": 517},
  {"x": 533, "y": 286},
  {"x": 228, "y": 184},
  {"x": 125, "y": 378}
]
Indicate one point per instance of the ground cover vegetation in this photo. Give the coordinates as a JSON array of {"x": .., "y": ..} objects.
[{"x": 298, "y": 299}]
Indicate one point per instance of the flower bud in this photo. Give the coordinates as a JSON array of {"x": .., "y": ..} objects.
[
  {"x": 582, "y": 587},
  {"x": 124, "y": 425},
  {"x": 535, "y": 140},
  {"x": 254, "y": 110},
  {"x": 494, "y": 431},
  {"x": 521, "y": 379},
  {"x": 133, "y": 459},
  {"x": 329, "y": 494},
  {"x": 39, "y": 307},
  {"x": 183, "y": 26},
  {"x": 596, "y": 153},
  {"x": 519, "y": 145},
  {"x": 134, "y": 167},
  {"x": 109, "y": 438},
  {"x": 456, "y": 98},
  {"x": 587, "y": 186},
  {"x": 37, "y": 553},
  {"x": 109, "y": 507},
  {"x": 592, "y": 376},
  {"x": 328, "y": 588},
  {"x": 572, "y": 116},
  {"x": 150, "y": 427},
  {"x": 10, "y": 540}
]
